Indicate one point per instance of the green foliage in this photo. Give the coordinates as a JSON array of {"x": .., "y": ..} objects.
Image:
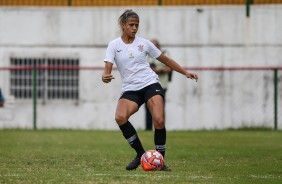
[{"x": 68, "y": 156}]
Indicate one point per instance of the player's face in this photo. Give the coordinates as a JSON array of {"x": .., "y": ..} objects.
[{"x": 130, "y": 28}]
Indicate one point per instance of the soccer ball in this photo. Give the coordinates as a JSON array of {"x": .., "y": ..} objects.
[{"x": 152, "y": 160}]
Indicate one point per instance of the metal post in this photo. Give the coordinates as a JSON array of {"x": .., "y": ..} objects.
[
  {"x": 34, "y": 96},
  {"x": 275, "y": 98},
  {"x": 248, "y": 7}
]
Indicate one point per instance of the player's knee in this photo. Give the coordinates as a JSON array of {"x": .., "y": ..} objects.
[{"x": 120, "y": 119}]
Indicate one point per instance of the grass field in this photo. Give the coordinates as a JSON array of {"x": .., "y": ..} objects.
[{"x": 68, "y": 156}]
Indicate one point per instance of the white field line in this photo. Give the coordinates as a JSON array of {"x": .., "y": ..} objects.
[{"x": 264, "y": 176}]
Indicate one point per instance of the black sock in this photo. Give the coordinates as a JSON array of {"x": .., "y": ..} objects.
[
  {"x": 131, "y": 136},
  {"x": 160, "y": 140}
]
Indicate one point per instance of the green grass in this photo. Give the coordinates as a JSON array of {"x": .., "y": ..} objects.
[{"x": 66, "y": 156}]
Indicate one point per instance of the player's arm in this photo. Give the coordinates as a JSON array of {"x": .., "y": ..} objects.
[
  {"x": 175, "y": 66},
  {"x": 162, "y": 70},
  {"x": 107, "y": 76}
]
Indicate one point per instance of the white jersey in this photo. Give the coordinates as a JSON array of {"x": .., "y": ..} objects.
[{"x": 131, "y": 61}]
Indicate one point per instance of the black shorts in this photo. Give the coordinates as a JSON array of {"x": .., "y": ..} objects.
[{"x": 143, "y": 95}]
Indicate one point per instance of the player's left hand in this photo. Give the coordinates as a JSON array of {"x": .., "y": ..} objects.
[{"x": 192, "y": 76}]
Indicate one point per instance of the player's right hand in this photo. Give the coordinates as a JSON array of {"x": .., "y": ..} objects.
[{"x": 106, "y": 78}]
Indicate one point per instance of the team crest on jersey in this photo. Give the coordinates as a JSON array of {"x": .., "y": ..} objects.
[{"x": 141, "y": 48}]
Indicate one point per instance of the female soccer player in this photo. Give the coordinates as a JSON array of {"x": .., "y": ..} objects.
[{"x": 140, "y": 84}]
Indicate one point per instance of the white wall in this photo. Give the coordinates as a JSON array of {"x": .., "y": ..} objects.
[{"x": 215, "y": 36}]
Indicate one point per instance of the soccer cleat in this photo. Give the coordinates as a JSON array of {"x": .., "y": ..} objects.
[
  {"x": 134, "y": 163},
  {"x": 165, "y": 168}
]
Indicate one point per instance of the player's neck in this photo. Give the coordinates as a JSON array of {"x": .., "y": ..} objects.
[{"x": 127, "y": 40}]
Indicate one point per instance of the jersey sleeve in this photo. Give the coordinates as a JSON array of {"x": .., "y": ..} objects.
[
  {"x": 110, "y": 53},
  {"x": 153, "y": 51}
]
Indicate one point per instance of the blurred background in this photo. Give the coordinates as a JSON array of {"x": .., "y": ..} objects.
[{"x": 52, "y": 52}]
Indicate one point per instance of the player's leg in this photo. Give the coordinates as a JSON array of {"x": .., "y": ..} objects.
[
  {"x": 155, "y": 102},
  {"x": 125, "y": 109},
  {"x": 156, "y": 107}
]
